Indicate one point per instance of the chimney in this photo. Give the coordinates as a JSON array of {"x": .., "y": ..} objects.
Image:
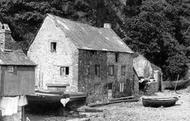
[
  {"x": 107, "y": 25},
  {"x": 6, "y": 39}
]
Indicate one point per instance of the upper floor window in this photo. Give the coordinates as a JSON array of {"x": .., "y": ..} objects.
[
  {"x": 53, "y": 46},
  {"x": 116, "y": 57},
  {"x": 93, "y": 52},
  {"x": 111, "y": 70},
  {"x": 11, "y": 69},
  {"x": 64, "y": 71},
  {"x": 123, "y": 70},
  {"x": 97, "y": 70}
]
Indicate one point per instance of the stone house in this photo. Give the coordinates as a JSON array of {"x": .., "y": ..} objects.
[
  {"x": 82, "y": 58},
  {"x": 16, "y": 69}
]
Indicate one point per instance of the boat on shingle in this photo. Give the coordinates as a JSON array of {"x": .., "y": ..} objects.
[{"x": 159, "y": 101}]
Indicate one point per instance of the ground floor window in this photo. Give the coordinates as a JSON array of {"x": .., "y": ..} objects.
[
  {"x": 121, "y": 86},
  {"x": 123, "y": 69},
  {"x": 87, "y": 70},
  {"x": 111, "y": 70},
  {"x": 64, "y": 71},
  {"x": 109, "y": 86},
  {"x": 97, "y": 70}
]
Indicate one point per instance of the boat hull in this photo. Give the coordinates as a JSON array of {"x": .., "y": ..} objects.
[
  {"x": 44, "y": 102},
  {"x": 158, "y": 102}
]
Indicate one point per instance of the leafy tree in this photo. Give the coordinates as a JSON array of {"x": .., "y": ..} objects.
[
  {"x": 156, "y": 32},
  {"x": 158, "y": 29}
]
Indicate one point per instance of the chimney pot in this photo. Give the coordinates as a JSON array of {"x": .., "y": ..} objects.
[{"x": 5, "y": 37}]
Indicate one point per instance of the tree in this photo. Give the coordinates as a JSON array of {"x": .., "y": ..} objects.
[
  {"x": 158, "y": 29},
  {"x": 156, "y": 32}
]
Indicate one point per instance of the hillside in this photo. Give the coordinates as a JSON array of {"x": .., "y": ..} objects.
[{"x": 158, "y": 29}]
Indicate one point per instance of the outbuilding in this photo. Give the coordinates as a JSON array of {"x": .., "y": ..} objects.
[{"x": 17, "y": 74}]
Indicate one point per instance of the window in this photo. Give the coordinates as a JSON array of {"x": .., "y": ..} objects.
[
  {"x": 97, "y": 70},
  {"x": 53, "y": 46},
  {"x": 93, "y": 52},
  {"x": 109, "y": 86},
  {"x": 116, "y": 57},
  {"x": 64, "y": 71},
  {"x": 121, "y": 86},
  {"x": 96, "y": 88},
  {"x": 111, "y": 70},
  {"x": 87, "y": 70},
  {"x": 10, "y": 69},
  {"x": 123, "y": 69}
]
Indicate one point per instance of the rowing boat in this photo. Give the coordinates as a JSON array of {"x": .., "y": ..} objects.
[{"x": 159, "y": 101}]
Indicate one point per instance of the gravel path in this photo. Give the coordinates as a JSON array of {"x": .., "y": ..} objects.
[{"x": 137, "y": 112}]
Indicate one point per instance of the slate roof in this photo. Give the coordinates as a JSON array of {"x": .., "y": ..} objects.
[
  {"x": 88, "y": 37},
  {"x": 15, "y": 57}
]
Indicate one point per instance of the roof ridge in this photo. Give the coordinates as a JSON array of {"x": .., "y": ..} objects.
[
  {"x": 86, "y": 36},
  {"x": 76, "y": 22}
]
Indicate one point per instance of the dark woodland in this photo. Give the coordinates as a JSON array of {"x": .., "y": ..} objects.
[{"x": 157, "y": 29}]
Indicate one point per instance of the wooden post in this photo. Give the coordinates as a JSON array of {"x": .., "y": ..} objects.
[
  {"x": 23, "y": 114},
  {"x": 176, "y": 82}
]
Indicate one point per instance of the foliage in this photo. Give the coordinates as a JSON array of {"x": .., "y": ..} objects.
[
  {"x": 159, "y": 29},
  {"x": 25, "y": 16},
  {"x": 157, "y": 32}
]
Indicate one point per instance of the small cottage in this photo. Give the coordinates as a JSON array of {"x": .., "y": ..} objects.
[
  {"x": 16, "y": 77},
  {"x": 76, "y": 57}
]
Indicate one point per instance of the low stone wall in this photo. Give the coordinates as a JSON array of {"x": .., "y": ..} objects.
[
  {"x": 180, "y": 84},
  {"x": 152, "y": 88}
]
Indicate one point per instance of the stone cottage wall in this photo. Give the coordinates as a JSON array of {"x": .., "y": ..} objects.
[
  {"x": 88, "y": 81},
  {"x": 99, "y": 88},
  {"x": 49, "y": 63}
]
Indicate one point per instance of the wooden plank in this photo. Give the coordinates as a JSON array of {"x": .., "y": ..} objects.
[
  {"x": 122, "y": 98},
  {"x": 89, "y": 110},
  {"x": 57, "y": 85},
  {"x": 79, "y": 119},
  {"x": 102, "y": 104}
]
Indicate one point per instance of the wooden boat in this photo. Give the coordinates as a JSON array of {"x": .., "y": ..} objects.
[
  {"x": 178, "y": 84},
  {"x": 44, "y": 96},
  {"x": 159, "y": 101}
]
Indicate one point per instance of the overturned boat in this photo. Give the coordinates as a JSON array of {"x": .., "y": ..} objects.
[
  {"x": 159, "y": 101},
  {"x": 44, "y": 101}
]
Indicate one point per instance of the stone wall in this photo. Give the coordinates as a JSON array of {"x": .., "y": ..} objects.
[
  {"x": 99, "y": 88},
  {"x": 48, "y": 62},
  {"x": 124, "y": 59},
  {"x": 152, "y": 88},
  {"x": 89, "y": 81}
]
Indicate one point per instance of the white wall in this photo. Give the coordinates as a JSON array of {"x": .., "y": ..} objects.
[{"x": 48, "y": 68}]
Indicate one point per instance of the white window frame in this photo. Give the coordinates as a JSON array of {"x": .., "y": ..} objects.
[
  {"x": 64, "y": 70},
  {"x": 123, "y": 70},
  {"x": 121, "y": 86},
  {"x": 53, "y": 46},
  {"x": 11, "y": 69},
  {"x": 111, "y": 70}
]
